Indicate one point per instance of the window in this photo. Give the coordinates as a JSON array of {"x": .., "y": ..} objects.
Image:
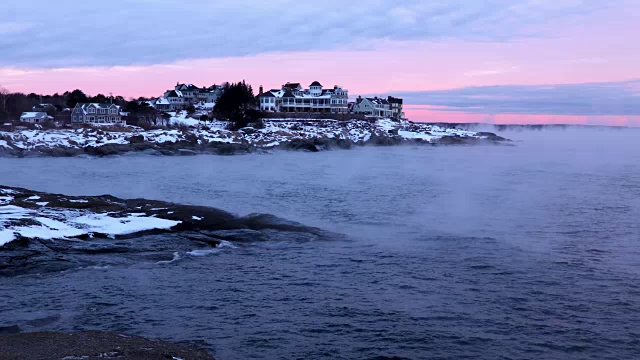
[{"x": 92, "y": 110}]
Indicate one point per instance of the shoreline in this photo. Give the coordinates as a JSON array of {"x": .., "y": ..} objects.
[
  {"x": 299, "y": 135},
  {"x": 93, "y": 345}
]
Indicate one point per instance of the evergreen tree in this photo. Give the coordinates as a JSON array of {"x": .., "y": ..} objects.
[
  {"x": 76, "y": 96},
  {"x": 235, "y": 101}
]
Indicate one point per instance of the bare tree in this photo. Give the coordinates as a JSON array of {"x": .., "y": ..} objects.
[{"x": 4, "y": 98}]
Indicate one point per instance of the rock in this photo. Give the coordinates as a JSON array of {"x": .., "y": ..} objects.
[
  {"x": 93, "y": 345},
  {"x": 491, "y": 136},
  {"x": 136, "y": 139},
  {"x": 186, "y": 152},
  {"x": 13, "y": 329}
]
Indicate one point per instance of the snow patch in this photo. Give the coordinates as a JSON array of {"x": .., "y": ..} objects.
[{"x": 102, "y": 223}]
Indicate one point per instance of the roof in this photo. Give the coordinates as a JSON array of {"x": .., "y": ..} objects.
[
  {"x": 84, "y": 106},
  {"x": 288, "y": 94},
  {"x": 394, "y": 100},
  {"x": 174, "y": 93},
  {"x": 162, "y": 101},
  {"x": 188, "y": 87},
  {"x": 378, "y": 101},
  {"x": 292, "y": 85},
  {"x": 33, "y": 114},
  {"x": 315, "y": 83},
  {"x": 266, "y": 94}
]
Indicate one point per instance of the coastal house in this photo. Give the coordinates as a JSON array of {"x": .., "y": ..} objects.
[
  {"x": 162, "y": 104},
  {"x": 184, "y": 95},
  {"x": 97, "y": 114},
  {"x": 48, "y": 108},
  {"x": 373, "y": 107},
  {"x": 397, "y": 111},
  {"x": 293, "y": 98},
  {"x": 35, "y": 117}
]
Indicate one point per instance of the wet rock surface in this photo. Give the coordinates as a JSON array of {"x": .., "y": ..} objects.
[
  {"x": 92, "y": 345},
  {"x": 51, "y": 232}
]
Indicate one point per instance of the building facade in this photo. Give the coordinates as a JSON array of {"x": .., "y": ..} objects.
[
  {"x": 293, "y": 98},
  {"x": 184, "y": 95},
  {"x": 397, "y": 110},
  {"x": 97, "y": 114},
  {"x": 35, "y": 117},
  {"x": 372, "y": 107}
]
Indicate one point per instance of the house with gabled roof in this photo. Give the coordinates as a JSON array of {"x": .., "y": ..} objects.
[
  {"x": 96, "y": 114},
  {"x": 373, "y": 107},
  {"x": 35, "y": 117},
  {"x": 184, "y": 95}
]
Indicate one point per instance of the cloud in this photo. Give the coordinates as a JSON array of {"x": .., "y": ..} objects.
[
  {"x": 69, "y": 33},
  {"x": 588, "y": 99}
]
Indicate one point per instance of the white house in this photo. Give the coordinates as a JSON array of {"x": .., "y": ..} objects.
[
  {"x": 292, "y": 97},
  {"x": 35, "y": 117}
]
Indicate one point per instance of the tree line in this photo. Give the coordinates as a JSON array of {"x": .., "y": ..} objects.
[{"x": 237, "y": 104}]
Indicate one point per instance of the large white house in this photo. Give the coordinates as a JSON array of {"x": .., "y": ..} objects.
[
  {"x": 97, "y": 114},
  {"x": 293, "y": 98}
]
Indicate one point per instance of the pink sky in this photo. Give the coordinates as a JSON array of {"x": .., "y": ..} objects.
[{"x": 602, "y": 52}]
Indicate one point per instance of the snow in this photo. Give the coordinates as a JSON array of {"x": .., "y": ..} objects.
[
  {"x": 196, "y": 218},
  {"x": 102, "y": 223},
  {"x": 415, "y": 135},
  {"x": 34, "y": 198},
  {"x": 52, "y": 223},
  {"x": 6, "y": 236},
  {"x": 51, "y": 229},
  {"x": 274, "y": 133}
]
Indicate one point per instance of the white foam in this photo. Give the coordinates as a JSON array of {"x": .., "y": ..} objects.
[{"x": 176, "y": 257}]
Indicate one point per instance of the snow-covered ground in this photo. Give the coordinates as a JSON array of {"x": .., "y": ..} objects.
[
  {"x": 274, "y": 133},
  {"x": 35, "y": 220}
]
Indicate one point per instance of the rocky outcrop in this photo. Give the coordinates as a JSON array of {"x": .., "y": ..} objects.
[
  {"x": 42, "y": 232},
  {"x": 300, "y": 135},
  {"x": 92, "y": 345}
]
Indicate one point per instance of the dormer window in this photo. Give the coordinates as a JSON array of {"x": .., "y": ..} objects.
[{"x": 92, "y": 110}]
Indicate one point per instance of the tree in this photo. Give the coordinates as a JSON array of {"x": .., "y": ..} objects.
[
  {"x": 4, "y": 98},
  {"x": 75, "y": 97},
  {"x": 234, "y": 103},
  {"x": 101, "y": 99},
  {"x": 204, "y": 118}
]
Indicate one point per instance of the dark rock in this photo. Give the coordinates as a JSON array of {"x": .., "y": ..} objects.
[
  {"x": 13, "y": 329},
  {"x": 93, "y": 345},
  {"x": 136, "y": 139}
]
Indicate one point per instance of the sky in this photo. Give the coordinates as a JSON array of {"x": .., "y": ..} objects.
[{"x": 495, "y": 61}]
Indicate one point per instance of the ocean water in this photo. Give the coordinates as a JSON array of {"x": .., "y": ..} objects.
[{"x": 489, "y": 252}]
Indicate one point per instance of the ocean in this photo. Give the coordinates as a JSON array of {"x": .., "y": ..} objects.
[{"x": 483, "y": 252}]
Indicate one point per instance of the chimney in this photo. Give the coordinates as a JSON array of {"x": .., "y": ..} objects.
[{"x": 261, "y": 90}]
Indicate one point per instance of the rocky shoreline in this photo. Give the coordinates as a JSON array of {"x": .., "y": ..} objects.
[
  {"x": 42, "y": 232},
  {"x": 312, "y": 136},
  {"x": 90, "y": 345}
]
